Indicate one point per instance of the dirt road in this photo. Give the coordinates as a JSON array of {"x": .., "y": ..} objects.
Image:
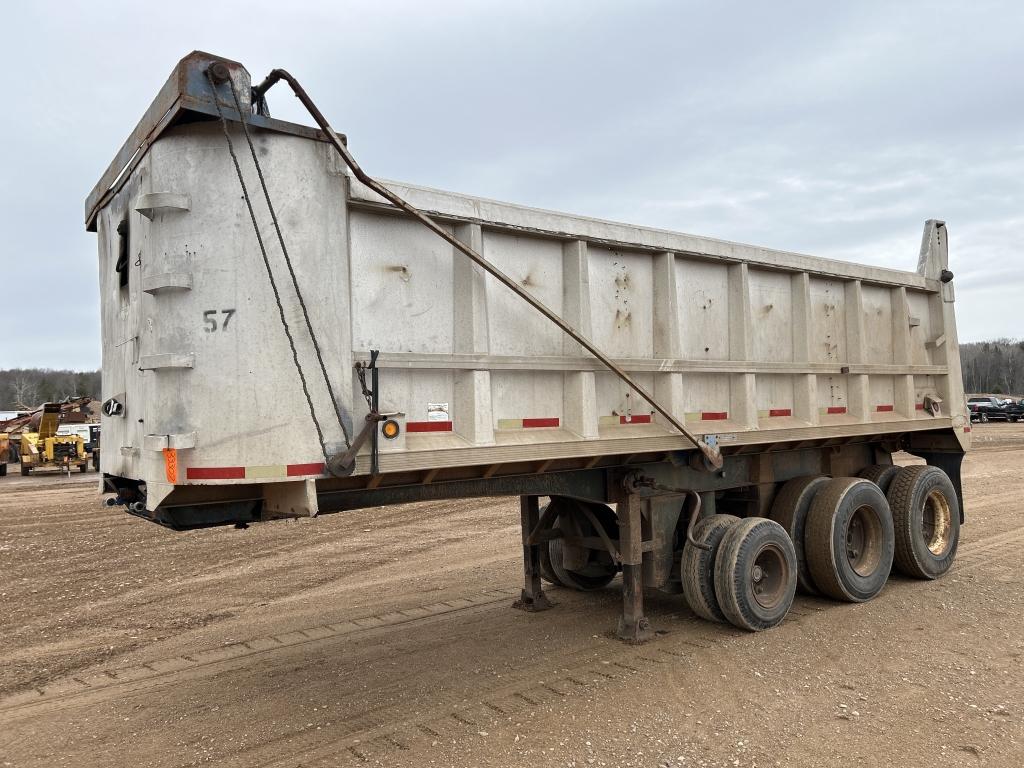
[{"x": 385, "y": 637}]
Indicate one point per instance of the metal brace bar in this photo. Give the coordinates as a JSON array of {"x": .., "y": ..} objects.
[{"x": 712, "y": 453}]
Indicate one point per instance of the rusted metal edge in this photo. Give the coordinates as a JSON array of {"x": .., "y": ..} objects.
[{"x": 184, "y": 92}]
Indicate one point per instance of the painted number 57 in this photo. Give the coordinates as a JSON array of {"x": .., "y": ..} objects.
[{"x": 210, "y": 324}]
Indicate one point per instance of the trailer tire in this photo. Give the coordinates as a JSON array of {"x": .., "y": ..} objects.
[
  {"x": 789, "y": 509},
  {"x": 880, "y": 474},
  {"x": 25, "y": 471},
  {"x": 756, "y": 574},
  {"x": 3, "y": 469},
  {"x": 600, "y": 569},
  {"x": 547, "y": 571},
  {"x": 697, "y": 566},
  {"x": 926, "y": 516},
  {"x": 849, "y": 539},
  {"x": 983, "y": 418}
]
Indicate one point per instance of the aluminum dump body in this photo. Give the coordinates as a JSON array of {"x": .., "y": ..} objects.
[{"x": 758, "y": 347}]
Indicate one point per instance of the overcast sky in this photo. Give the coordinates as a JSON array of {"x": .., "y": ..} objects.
[{"x": 833, "y": 129}]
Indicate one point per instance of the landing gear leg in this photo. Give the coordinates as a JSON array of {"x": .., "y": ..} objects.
[
  {"x": 634, "y": 628},
  {"x": 532, "y": 597}
]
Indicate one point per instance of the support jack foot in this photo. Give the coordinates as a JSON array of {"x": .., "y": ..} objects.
[
  {"x": 634, "y": 632},
  {"x": 539, "y": 602}
]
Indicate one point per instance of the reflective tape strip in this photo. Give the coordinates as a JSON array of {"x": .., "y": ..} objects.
[
  {"x": 527, "y": 423},
  {"x": 215, "y": 473},
  {"x": 636, "y": 418},
  {"x": 883, "y": 408},
  {"x": 535, "y": 423},
  {"x": 772, "y": 413},
  {"x": 707, "y": 416},
  {"x": 266, "y": 471},
  {"x": 296, "y": 470},
  {"x": 260, "y": 472},
  {"x": 833, "y": 410},
  {"x": 428, "y": 426}
]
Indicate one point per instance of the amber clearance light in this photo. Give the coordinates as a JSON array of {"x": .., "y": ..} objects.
[{"x": 390, "y": 429}]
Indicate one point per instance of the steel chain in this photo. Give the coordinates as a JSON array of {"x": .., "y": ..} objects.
[{"x": 266, "y": 263}]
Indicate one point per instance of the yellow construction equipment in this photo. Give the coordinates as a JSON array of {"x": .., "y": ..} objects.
[{"x": 43, "y": 449}]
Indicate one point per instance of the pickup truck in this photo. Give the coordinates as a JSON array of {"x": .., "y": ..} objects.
[
  {"x": 988, "y": 408},
  {"x": 1015, "y": 410}
]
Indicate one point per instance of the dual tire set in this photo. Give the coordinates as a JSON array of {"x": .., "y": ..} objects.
[{"x": 837, "y": 537}]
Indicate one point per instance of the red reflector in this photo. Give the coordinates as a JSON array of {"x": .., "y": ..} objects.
[
  {"x": 531, "y": 423},
  {"x": 837, "y": 409},
  {"x": 295, "y": 470},
  {"x": 780, "y": 412},
  {"x": 883, "y": 408},
  {"x": 643, "y": 418},
  {"x": 428, "y": 426},
  {"x": 215, "y": 473},
  {"x": 714, "y": 415}
]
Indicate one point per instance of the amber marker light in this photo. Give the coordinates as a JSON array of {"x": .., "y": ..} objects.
[{"x": 390, "y": 429}]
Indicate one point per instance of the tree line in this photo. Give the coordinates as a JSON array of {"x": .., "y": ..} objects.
[
  {"x": 995, "y": 367},
  {"x": 25, "y": 388}
]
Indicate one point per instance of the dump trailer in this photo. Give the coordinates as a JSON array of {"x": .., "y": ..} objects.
[{"x": 286, "y": 336}]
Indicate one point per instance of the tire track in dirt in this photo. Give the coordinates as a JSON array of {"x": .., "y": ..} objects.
[
  {"x": 120, "y": 681},
  {"x": 109, "y": 682},
  {"x": 552, "y": 678},
  {"x": 361, "y": 743}
]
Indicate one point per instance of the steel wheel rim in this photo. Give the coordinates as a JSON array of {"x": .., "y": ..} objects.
[
  {"x": 937, "y": 523},
  {"x": 769, "y": 574},
  {"x": 864, "y": 540}
]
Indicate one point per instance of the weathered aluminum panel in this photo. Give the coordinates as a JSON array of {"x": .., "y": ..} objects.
[{"x": 757, "y": 346}]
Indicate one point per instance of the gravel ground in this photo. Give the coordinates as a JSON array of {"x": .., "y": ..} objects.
[{"x": 385, "y": 637}]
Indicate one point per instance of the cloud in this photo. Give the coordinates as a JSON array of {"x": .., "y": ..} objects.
[{"x": 824, "y": 128}]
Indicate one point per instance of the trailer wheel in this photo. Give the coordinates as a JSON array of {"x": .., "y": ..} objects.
[
  {"x": 926, "y": 516},
  {"x": 599, "y": 569},
  {"x": 880, "y": 474},
  {"x": 756, "y": 574},
  {"x": 983, "y": 418},
  {"x": 849, "y": 539},
  {"x": 697, "y": 566},
  {"x": 593, "y": 577},
  {"x": 547, "y": 571},
  {"x": 789, "y": 509}
]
